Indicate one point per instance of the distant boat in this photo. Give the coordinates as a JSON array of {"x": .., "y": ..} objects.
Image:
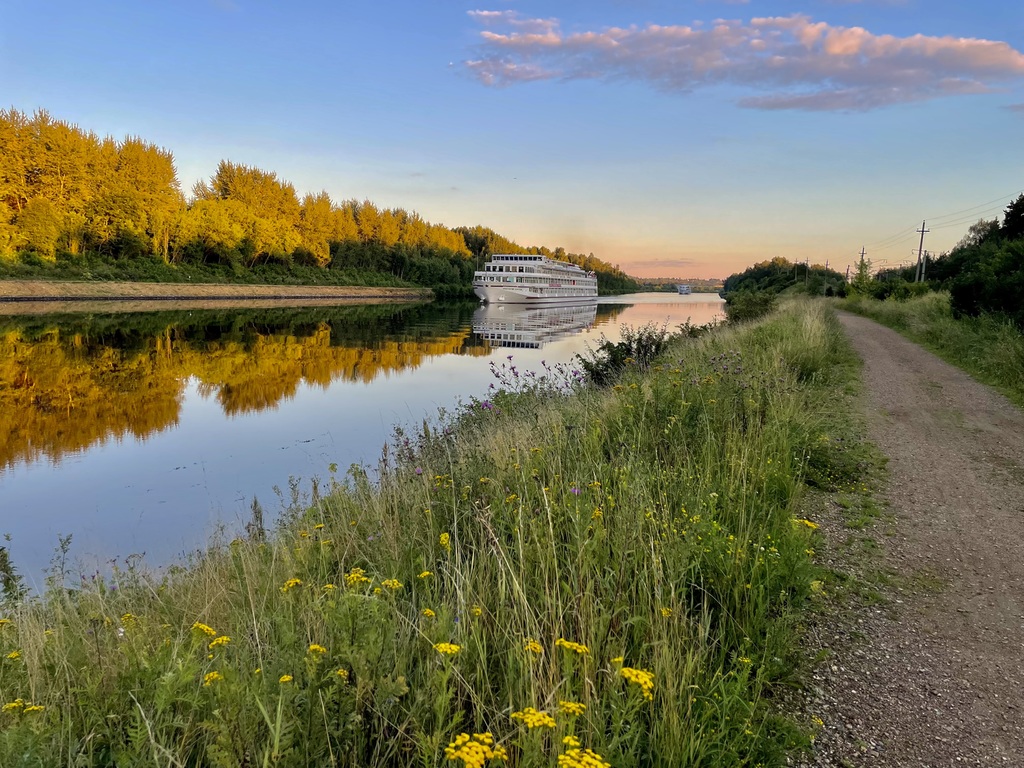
[
  {"x": 685, "y": 290},
  {"x": 514, "y": 278}
]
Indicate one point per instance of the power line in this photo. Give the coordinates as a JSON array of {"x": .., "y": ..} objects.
[{"x": 980, "y": 205}]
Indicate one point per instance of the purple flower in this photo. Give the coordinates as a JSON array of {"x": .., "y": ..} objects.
[
  {"x": 575, "y": 491},
  {"x": 419, "y": 471}
]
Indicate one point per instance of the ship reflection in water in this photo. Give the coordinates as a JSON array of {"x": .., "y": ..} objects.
[{"x": 531, "y": 327}]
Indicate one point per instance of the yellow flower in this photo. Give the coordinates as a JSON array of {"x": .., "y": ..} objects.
[
  {"x": 377, "y": 590},
  {"x": 666, "y": 612},
  {"x": 533, "y": 646},
  {"x": 474, "y": 750},
  {"x": 128, "y": 619},
  {"x": 314, "y": 648},
  {"x": 342, "y": 673},
  {"x": 212, "y": 677},
  {"x": 808, "y": 523},
  {"x": 582, "y": 758},
  {"x": 428, "y": 613},
  {"x": 304, "y": 534},
  {"x": 744, "y": 660},
  {"x": 356, "y": 576},
  {"x": 477, "y": 610},
  {"x": 34, "y": 708},
  {"x": 573, "y": 708},
  {"x": 318, "y": 527},
  {"x": 4, "y": 622},
  {"x": 641, "y": 677},
  {"x": 285, "y": 679},
  {"x": 445, "y": 541},
  {"x": 447, "y": 649},
  {"x": 14, "y": 655},
  {"x": 618, "y": 659},
  {"x": 206, "y": 630},
  {"x": 292, "y": 582},
  {"x": 571, "y": 741},
  {"x": 392, "y": 584},
  {"x": 533, "y": 718},
  {"x": 425, "y": 575},
  {"x": 569, "y": 645},
  {"x": 329, "y": 587},
  {"x": 15, "y": 706},
  {"x": 219, "y": 641}
]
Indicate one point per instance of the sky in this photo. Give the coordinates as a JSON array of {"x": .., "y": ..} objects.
[{"x": 674, "y": 139}]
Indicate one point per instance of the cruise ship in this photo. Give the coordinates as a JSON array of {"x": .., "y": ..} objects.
[
  {"x": 684, "y": 290},
  {"x": 515, "y": 278}
]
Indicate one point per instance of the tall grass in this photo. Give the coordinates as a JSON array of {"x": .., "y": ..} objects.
[
  {"x": 623, "y": 560},
  {"x": 989, "y": 348}
]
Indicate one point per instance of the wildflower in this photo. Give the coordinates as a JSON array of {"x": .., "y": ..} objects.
[
  {"x": 285, "y": 679},
  {"x": 304, "y": 534},
  {"x": 14, "y": 655},
  {"x": 425, "y": 575},
  {"x": 574, "y": 491},
  {"x": 128, "y": 619},
  {"x": 258, "y": 671},
  {"x": 477, "y": 610},
  {"x": 511, "y": 498},
  {"x": 534, "y": 719},
  {"x": 4, "y": 623},
  {"x": 34, "y": 708},
  {"x": 292, "y": 582},
  {"x": 445, "y": 541},
  {"x": 618, "y": 659},
  {"x": 594, "y": 484},
  {"x": 641, "y": 677},
  {"x": 429, "y": 614},
  {"x": 377, "y": 590},
  {"x": 329, "y": 587},
  {"x": 534, "y": 647},
  {"x": 571, "y": 741},
  {"x": 447, "y": 649},
  {"x": 597, "y": 514},
  {"x": 342, "y": 673},
  {"x": 219, "y": 641},
  {"x": 392, "y": 584},
  {"x": 582, "y": 758},
  {"x": 474, "y": 750},
  {"x": 356, "y": 576},
  {"x": 569, "y": 645},
  {"x": 314, "y": 648},
  {"x": 744, "y": 660},
  {"x": 808, "y": 523},
  {"x": 318, "y": 527},
  {"x": 666, "y": 612},
  {"x": 205, "y": 629},
  {"x": 211, "y": 677},
  {"x": 572, "y": 708},
  {"x": 15, "y": 706}
]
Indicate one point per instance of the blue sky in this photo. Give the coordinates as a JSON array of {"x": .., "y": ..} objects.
[{"x": 685, "y": 139}]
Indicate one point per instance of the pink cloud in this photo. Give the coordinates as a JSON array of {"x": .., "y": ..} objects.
[{"x": 796, "y": 63}]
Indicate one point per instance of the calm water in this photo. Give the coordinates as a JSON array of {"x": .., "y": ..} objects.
[{"x": 146, "y": 433}]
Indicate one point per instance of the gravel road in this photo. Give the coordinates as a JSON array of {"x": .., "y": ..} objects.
[{"x": 936, "y": 678}]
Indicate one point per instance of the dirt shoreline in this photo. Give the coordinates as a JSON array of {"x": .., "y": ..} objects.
[{"x": 46, "y": 290}]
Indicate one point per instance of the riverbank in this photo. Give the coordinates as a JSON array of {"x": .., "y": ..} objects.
[
  {"x": 623, "y": 569},
  {"x": 40, "y": 291}
]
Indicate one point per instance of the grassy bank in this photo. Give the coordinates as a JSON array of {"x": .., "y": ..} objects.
[
  {"x": 988, "y": 348},
  {"x": 620, "y": 570}
]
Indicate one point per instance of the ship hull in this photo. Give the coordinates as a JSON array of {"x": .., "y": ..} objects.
[{"x": 502, "y": 295}]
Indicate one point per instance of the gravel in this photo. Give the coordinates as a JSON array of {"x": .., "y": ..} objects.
[{"x": 934, "y": 676}]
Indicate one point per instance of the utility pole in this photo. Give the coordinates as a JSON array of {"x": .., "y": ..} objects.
[
  {"x": 924, "y": 265},
  {"x": 920, "y": 252}
]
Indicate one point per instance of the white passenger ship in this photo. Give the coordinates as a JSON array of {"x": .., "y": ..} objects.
[
  {"x": 514, "y": 278},
  {"x": 684, "y": 290}
]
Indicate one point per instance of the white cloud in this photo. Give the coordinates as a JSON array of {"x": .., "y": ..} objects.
[{"x": 794, "y": 62}]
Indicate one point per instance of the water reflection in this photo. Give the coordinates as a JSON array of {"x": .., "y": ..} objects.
[
  {"x": 70, "y": 382},
  {"x": 145, "y": 432},
  {"x": 531, "y": 327}
]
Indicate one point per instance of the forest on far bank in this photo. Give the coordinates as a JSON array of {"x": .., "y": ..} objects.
[{"x": 74, "y": 205}]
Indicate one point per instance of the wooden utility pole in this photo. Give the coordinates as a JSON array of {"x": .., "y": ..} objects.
[{"x": 920, "y": 252}]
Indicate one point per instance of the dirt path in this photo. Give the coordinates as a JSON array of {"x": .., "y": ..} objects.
[{"x": 939, "y": 677}]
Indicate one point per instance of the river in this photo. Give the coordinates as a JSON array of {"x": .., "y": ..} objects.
[{"x": 146, "y": 434}]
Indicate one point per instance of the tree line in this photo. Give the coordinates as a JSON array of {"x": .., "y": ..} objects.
[
  {"x": 73, "y": 203},
  {"x": 983, "y": 272}
]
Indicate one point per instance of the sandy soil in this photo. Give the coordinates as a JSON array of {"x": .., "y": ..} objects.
[
  {"x": 934, "y": 678},
  {"x": 13, "y": 292}
]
